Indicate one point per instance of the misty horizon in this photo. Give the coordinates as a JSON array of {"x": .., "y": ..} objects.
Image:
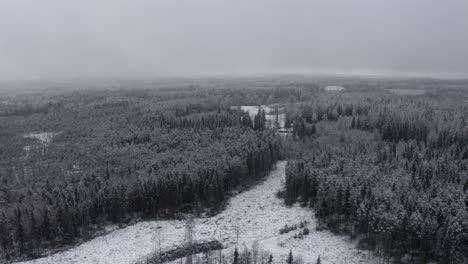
[{"x": 54, "y": 40}]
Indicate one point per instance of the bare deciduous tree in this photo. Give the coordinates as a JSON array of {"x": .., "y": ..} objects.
[{"x": 189, "y": 236}]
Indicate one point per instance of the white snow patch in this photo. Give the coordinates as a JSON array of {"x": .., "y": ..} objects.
[
  {"x": 273, "y": 118},
  {"x": 27, "y": 150},
  {"x": 334, "y": 88},
  {"x": 257, "y": 213},
  {"x": 43, "y": 137}
]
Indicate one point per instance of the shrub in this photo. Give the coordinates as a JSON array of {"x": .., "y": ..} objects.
[{"x": 287, "y": 229}]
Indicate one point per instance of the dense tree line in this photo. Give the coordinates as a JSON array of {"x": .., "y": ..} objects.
[
  {"x": 396, "y": 178},
  {"x": 123, "y": 155},
  {"x": 70, "y": 209}
]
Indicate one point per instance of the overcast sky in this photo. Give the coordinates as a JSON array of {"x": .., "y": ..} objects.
[{"x": 61, "y": 39}]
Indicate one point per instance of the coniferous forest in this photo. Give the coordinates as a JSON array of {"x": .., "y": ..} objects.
[{"x": 388, "y": 168}]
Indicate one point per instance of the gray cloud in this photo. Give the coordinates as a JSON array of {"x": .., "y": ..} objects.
[{"x": 62, "y": 39}]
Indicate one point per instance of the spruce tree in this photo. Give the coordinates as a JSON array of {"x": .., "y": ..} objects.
[
  {"x": 290, "y": 258},
  {"x": 46, "y": 228},
  {"x": 33, "y": 234},
  {"x": 236, "y": 256},
  {"x": 19, "y": 232},
  {"x": 5, "y": 238},
  {"x": 313, "y": 129}
]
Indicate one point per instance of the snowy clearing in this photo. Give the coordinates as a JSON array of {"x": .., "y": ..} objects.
[
  {"x": 273, "y": 118},
  {"x": 334, "y": 88},
  {"x": 257, "y": 213},
  {"x": 43, "y": 137}
]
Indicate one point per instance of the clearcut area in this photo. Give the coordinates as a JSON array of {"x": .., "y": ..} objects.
[{"x": 257, "y": 213}]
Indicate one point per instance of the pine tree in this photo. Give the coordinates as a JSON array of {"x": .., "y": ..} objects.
[
  {"x": 259, "y": 120},
  {"x": 318, "y": 260},
  {"x": 246, "y": 120},
  {"x": 313, "y": 129},
  {"x": 46, "y": 228},
  {"x": 5, "y": 238},
  {"x": 19, "y": 232},
  {"x": 236, "y": 256},
  {"x": 290, "y": 258},
  {"x": 287, "y": 120},
  {"x": 277, "y": 124},
  {"x": 33, "y": 232}
]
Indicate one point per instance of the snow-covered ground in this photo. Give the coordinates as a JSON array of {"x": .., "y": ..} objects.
[
  {"x": 270, "y": 114},
  {"x": 334, "y": 88},
  {"x": 43, "y": 137},
  {"x": 258, "y": 215}
]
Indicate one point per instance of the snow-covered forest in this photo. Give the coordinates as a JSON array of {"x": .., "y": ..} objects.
[
  {"x": 387, "y": 170},
  {"x": 393, "y": 174}
]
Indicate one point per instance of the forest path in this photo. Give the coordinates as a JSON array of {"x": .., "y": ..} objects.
[{"x": 258, "y": 215}]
